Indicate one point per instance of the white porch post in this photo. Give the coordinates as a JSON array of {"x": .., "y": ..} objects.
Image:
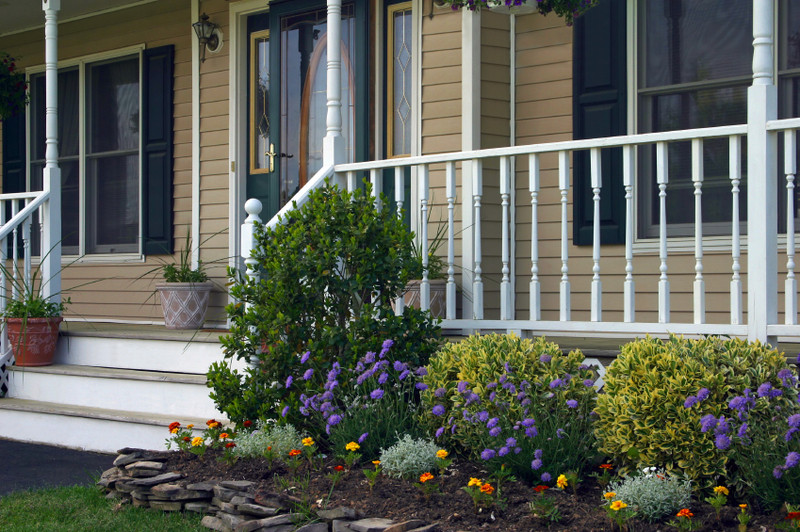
[
  {"x": 51, "y": 210},
  {"x": 762, "y": 221},
  {"x": 333, "y": 144}
]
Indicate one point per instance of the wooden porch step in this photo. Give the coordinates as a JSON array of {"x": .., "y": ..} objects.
[{"x": 83, "y": 427}]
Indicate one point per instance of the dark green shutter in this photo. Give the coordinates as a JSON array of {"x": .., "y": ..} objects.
[
  {"x": 157, "y": 149},
  {"x": 599, "y": 110},
  {"x": 14, "y": 154}
]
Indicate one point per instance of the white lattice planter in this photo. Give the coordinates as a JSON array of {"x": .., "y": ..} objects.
[{"x": 184, "y": 304}]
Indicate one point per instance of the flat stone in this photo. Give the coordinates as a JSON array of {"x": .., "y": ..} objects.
[
  {"x": 371, "y": 524},
  {"x": 140, "y": 503},
  {"x": 202, "y": 486},
  {"x": 241, "y": 485},
  {"x": 232, "y": 522},
  {"x": 109, "y": 477},
  {"x": 125, "y": 486},
  {"x": 141, "y": 494},
  {"x": 196, "y": 507},
  {"x": 224, "y": 494},
  {"x": 213, "y": 523},
  {"x": 314, "y": 527},
  {"x": 427, "y": 528},
  {"x": 240, "y": 499},
  {"x": 143, "y": 473},
  {"x": 283, "y": 519},
  {"x": 227, "y": 507},
  {"x": 131, "y": 450},
  {"x": 167, "y": 490},
  {"x": 159, "y": 479},
  {"x": 256, "y": 510},
  {"x": 405, "y": 526},
  {"x": 145, "y": 464},
  {"x": 341, "y": 526},
  {"x": 166, "y": 506},
  {"x": 340, "y": 512}
]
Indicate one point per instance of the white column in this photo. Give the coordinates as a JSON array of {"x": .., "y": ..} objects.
[
  {"x": 51, "y": 210},
  {"x": 247, "y": 243},
  {"x": 762, "y": 221},
  {"x": 333, "y": 143}
]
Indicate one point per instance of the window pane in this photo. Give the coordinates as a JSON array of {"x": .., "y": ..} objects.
[
  {"x": 260, "y": 90},
  {"x": 112, "y": 101},
  {"x": 401, "y": 83},
  {"x": 67, "y": 114},
  {"x": 112, "y": 196},
  {"x": 790, "y": 26},
  {"x": 695, "y": 40}
]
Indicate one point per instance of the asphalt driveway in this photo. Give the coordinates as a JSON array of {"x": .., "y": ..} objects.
[{"x": 30, "y": 466}]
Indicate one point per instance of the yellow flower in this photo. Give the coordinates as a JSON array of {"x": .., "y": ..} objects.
[
  {"x": 376, "y": 462},
  {"x": 610, "y": 495},
  {"x": 742, "y": 506},
  {"x": 721, "y": 489},
  {"x": 175, "y": 430},
  {"x": 190, "y": 426},
  {"x": 308, "y": 442},
  {"x": 352, "y": 446},
  {"x": 561, "y": 482},
  {"x": 618, "y": 505},
  {"x": 474, "y": 482},
  {"x": 197, "y": 441},
  {"x": 441, "y": 454}
]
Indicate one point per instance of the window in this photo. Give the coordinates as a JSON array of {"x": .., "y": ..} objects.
[
  {"x": 99, "y": 154},
  {"x": 694, "y": 67},
  {"x": 398, "y": 80}
]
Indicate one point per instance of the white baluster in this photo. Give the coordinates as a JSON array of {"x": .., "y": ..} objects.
[
  {"x": 3, "y": 279},
  {"x": 451, "y": 240},
  {"x": 377, "y": 187},
  {"x": 14, "y": 252},
  {"x": 735, "y": 165},
  {"x": 597, "y": 287},
  {"x": 477, "y": 284},
  {"x": 399, "y": 190},
  {"x": 505, "y": 280},
  {"x": 352, "y": 183},
  {"x": 563, "y": 186},
  {"x": 425, "y": 287},
  {"x": 699, "y": 287},
  {"x": 790, "y": 168},
  {"x": 628, "y": 163},
  {"x": 26, "y": 248},
  {"x": 663, "y": 283},
  {"x": 535, "y": 288},
  {"x": 248, "y": 237}
]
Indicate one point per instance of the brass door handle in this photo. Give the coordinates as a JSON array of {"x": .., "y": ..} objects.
[{"x": 271, "y": 154}]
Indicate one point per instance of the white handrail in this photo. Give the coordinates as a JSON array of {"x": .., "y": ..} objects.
[
  {"x": 301, "y": 197},
  {"x": 28, "y": 210}
]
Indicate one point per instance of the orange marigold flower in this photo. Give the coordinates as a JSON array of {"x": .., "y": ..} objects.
[
  {"x": 197, "y": 441},
  {"x": 223, "y": 436},
  {"x": 338, "y": 468},
  {"x": 187, "y": 438},
  {"x": 376, "y": 462},
  {"x": 721, "y": 489},
  {"x": 247, "y": 423},
  {"x": 487, "y": 489},
  {"x": 618, "y": 505},
  {"x": 295, "y": 452},
  {"x": 269, "y": 448},
  {"x": 441, "y": 454},
  {"x": 308, "y": 442},
  {"x": 606, "y": 466},
  {"x": 425, "y": 477},
  {"x": 609, "y": 495},
  {"x": 540, "y": 488},
  {"x": 174, "y": 425},
  {"x": 190, "y": 426},
  {"x": 742, "y": 506},
  {"x": 685, "y": 512},
  {"x": 230, "y": 445}
]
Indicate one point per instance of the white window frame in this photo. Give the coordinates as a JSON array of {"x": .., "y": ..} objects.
[{"x": 81, "y": 63}]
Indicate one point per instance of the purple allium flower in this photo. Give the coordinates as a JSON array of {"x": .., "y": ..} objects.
[
  {"x": 304, "y": 411},
  {"x": 537, "y": 453},
  {"x": 794, "y": 420},
  {"x": 327, "y": 396},
  {"x": 453, "y": 429},
  {"x": 738, "y": 403},
  {"x": 790, "y": 433},
  {"x": 483, "y": 416},
  {"x": 387, "y": 344},
  {"x": 289, "y": 381},
  {"x": 776, "y": 393},
  {"x": 517, "y": 450},
  {"x": 560, "y": 433},
  {"x": 492, "y": 397},
  {"x": 421, "y": 386},
  {"x": 363, "y": 437},
  {"x": 531, "y": 432},
  {"x": 544, "y": 359},
  {"x": 488, "y": 454},
  {"x": 511, "y": 442},
  {"x": 792, "y": 459},
  {"x": 722, "y": 441},
  {"x": 308, "y": 374},
  {"x": 369, "y": 358},
  {"x": 572, "y": 403},
  {"x": 690, "y": 401},
  {"x": 335, "y": 419},
  {"x": 305, "y": 357},
  {"x": 723, "y": 427},
  {"x": 421, "y": 371},
  {"x": 503, "y": 451},
  {"x": 405, "y": 373},
  {"x": 383, "y": 377},
  {"x": 556, "y": 383},
  {"x": 546, "y": 477},
  {"x": 528, "y": 422},
  {"x": 440, "y": 392},
  {"x": 439, "y": 432},
  {"x": 742, "y": 432},
  {"x": 707, "y": 422},
  {"x": 525, "y": 402},
  {"x": 702, "y": 394},
  {"x": 494, "y": 432},
  {"x": 398, "y": 366},
  {"x": 330, "y": 385},
  {"x": 764, "y": 389},
  {"x": 285, "y": 411},
  {"x": 492, "y": 423},
  {"x": 503, "y": 378},
  {"x": 588, "y": 382},
  {"x": 376, "y": 394},
  {"x": 491, "y": 386},
  {"x": 507, "y": 367},
  {"x": 777, "y": 472},
  {"x": 438, "y": 410},
  {"x": 536, "y": 464},
  {"x": 462, "y": 386},
  {"x": 521, "y": 396}
]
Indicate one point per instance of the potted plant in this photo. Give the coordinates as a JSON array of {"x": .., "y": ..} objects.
[
  {"x": 184, "y": 292},
  {"x": 568, "y": 9},
  {"x": 437, "y": 276}
]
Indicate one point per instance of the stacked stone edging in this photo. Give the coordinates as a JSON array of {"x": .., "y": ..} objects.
[{"x": 139, "y": 477}]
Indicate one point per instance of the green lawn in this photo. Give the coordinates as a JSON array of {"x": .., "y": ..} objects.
[{"x": 84, "y": 509}]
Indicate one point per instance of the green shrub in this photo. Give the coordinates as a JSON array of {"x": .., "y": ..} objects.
[
  {"x": 653, "y": 493},
  {"x": 505, "y": 400},
  {"x": 643, "y": 419},
  {"x": 409, "y": 457},
  {"x": 328, "y": 274},
  {"x": 282, "y": 439}
]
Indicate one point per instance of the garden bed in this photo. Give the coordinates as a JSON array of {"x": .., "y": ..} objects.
[{"x": 449, "y": 506}]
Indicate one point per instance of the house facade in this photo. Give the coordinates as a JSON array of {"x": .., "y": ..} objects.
[{"x": 160, "y": 137}]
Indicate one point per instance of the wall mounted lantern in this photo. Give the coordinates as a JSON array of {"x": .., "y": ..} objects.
[{"x": 208, "y": 35}]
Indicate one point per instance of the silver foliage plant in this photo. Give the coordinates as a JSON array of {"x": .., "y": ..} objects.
[
  {"x": 653, "y": 493},
  {"x": 282, "y": 439},
  {"x": 409, "y": 457}
]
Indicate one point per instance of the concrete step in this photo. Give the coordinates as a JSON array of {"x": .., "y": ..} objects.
[
  {"x": 170, "y": 394},
  {"x": 87, "y": 428}
]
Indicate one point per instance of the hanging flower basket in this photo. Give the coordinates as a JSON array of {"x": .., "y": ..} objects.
[
  {"x": 569, "y": 10},
  {"x": 13, "y": 87}
]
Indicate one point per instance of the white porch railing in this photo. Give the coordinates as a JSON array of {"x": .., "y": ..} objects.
[{"x": 24, "y": 211}]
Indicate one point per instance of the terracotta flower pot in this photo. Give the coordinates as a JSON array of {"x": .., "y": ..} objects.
[
  {"x": 33, "y": 340},
  {"x": 184, "y": 304}
]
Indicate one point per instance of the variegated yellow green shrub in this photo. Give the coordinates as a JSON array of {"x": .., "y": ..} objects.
[{"x": 649, "y": 413}]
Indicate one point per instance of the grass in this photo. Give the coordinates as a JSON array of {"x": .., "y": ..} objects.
[{"x": 84, "y": 509}]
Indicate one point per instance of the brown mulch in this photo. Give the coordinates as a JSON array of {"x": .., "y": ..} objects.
[{"x": 452, "y": 508}]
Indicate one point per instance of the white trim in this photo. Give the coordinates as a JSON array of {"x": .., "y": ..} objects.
[
  {"x": 81, "y": 17},
  {"x": 90, "y": 58},
  {"x": 512, "y": 138},
  {"x": 195, "y": 227}
]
